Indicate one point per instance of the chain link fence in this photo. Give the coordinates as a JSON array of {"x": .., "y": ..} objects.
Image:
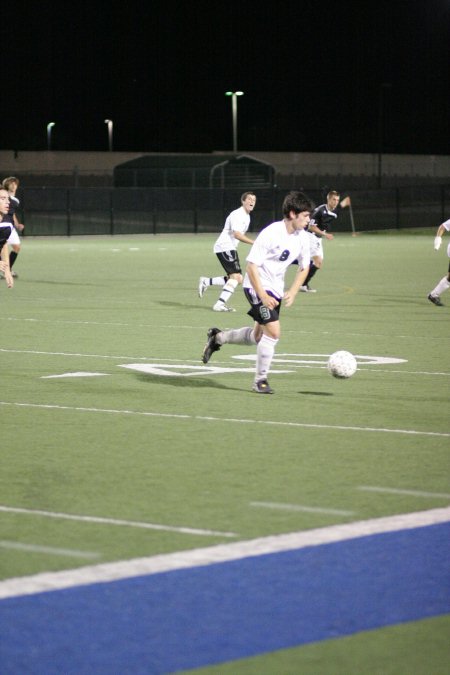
[{"x": 49, "y": 211}]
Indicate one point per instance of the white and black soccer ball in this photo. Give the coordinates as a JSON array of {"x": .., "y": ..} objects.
[{"x": 342, "y": 364}]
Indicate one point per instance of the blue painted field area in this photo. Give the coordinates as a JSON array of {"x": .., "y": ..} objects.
[{"x": 206, "y": 615}]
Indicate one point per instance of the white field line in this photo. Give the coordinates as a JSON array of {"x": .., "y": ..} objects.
[
  {"x": 107, "y": 572},
  {"x": 299, "y": 507},
  {"x": 412, "y": 493},
  {"x": 114, "y": 521},
  {"x": 76, "y": 374},
  {"x": 88, "y": 356},
  {"x": 48, "y": 550},
  {"x": 204, "y": 418}
]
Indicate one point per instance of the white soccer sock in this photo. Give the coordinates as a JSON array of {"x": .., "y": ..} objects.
[
  {"x": 264, "y": 355},
  {"x": 237, "y": 336},
  {"x": 217, "y": 281},
  {"x": 441, "y": 287},
  {"x": 228, "y": 290}
]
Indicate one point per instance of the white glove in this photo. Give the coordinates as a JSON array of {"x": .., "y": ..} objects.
[{"x": 437, "y": 243}]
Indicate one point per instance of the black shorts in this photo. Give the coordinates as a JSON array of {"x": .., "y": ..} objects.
[
  {"x": 230, "y": 261},
  {"x": 259, "y": 312}
]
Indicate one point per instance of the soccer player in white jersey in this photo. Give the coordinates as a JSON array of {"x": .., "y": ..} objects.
[
  {"x": 275, "y": 248},
  {"x": 11, "y": 184},
  {"x": 5, "y": 231},
  {"x": 225, "y": 248},
  {"x": 435, "y": 295}
]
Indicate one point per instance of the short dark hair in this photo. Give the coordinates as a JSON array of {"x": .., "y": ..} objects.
[
  {"x": 244, "y": 196},
  {"x": 297, "y": 202}
]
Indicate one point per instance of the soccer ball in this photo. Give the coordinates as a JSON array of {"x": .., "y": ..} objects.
[{"x": 342, "y": 364}]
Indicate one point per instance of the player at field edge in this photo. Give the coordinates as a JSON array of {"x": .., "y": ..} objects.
[
  {"x": 434, "y": 296},
  {"x": 274, "y": 249},
  {"x": 5, "y": 231},
  {"x": 225, "y": 248},
  {"x": 11, "y": 184},
  {"x": 322, "y": 219}
]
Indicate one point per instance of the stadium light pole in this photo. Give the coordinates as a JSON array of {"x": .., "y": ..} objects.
[
  {"x": 383, "y": 85},
  {"x": 110, "y": 134},
  {"x": 50, "y": 126},
  {"x": 234, "y": 95}
]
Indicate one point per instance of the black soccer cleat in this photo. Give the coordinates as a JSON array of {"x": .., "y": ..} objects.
[
  {"x": 435, "y": 299},
  {"x": 211, "y": 345},
  {"x": 262, "y": 387}
]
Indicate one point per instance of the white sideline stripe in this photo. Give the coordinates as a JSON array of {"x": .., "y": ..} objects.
[
  {"x": 126, "y": 569},
  {"x": 395, "y": 491},
  {"x": 207, "y": 418},
  {"x": 32, "y": 548},
  {"x": 298, "y": 507},
  {"x": 113, "y": 521}
]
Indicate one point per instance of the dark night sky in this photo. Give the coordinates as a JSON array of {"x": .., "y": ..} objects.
[{"x": 312, "y": 72}]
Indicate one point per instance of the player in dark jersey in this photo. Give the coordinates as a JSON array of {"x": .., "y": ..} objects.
[{"x": 322, "y": 220}]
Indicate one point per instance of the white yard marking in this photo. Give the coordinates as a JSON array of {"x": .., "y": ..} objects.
[
  {"x": 115, "y": 521},
  {"x": 48, "y": 550},
  {"x": 171, "y": 370},
  {"x": 107, "y": 572},
  {"x": 299, "y": 507},
  {"x": 76, "y": 374},
  {"x": 204, "y": 418},
  {"x": 412, "y": 493},
  {"x": 312, "y": 359}
]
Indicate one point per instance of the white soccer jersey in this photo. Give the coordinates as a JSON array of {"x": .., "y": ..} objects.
[
  {"x": 237, "y": 221},
  {"x": 446, "y": 224},
  {"x": 273, "y": 251}
]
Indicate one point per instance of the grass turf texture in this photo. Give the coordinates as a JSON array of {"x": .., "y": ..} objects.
[{"x": 97, "y": 303}]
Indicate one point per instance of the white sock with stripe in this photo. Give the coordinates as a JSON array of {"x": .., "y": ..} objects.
[
  {"x": 264, "y": 355},
  {"x": 228, "y": 290}
]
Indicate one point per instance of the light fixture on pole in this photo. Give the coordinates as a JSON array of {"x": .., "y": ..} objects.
[
  {"x": 234, "y": 95},
  {"x": 110, "y": 134},
  {"x": 50, "y": 125}
]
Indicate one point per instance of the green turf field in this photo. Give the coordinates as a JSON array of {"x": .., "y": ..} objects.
[{"x": 101, "y": 461}]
